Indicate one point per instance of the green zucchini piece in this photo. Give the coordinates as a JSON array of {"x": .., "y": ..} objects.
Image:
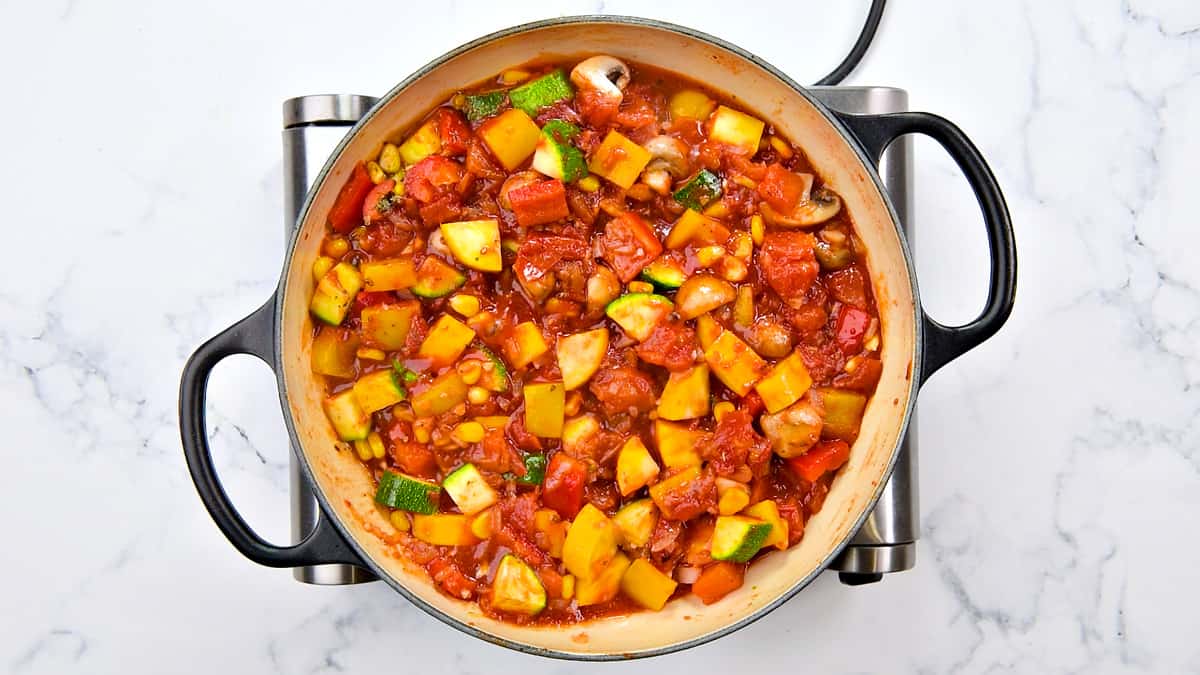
[
  {"x": 350, "y": 421},
  {"x": 495, "y": 379},
  {"x": 665, "y": 273},
  {"x": 738, "y": 538},
  {"x": 537, "y": 94},
  {"x": 379, "y": 390},
  {"x": 560, "y": 130},
  {"x": 407, "y": 493},
  {"x": 636, "y": 522},
  {"x": 335, "y": 292},
  {"x": 470, "y": 492},
  {"x": 638, "y": 313},
  {"x": 701, "y": 190},
  {"x": 479, "y": 106},
  {"x": 435, "y": 278},
  {"x": 558, "y": 158},
  {"x": 517, "y": 588}
]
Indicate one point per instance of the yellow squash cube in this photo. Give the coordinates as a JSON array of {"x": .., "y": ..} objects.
[
  {"x": 737, "y": 129},
  {"x": 647, "y": 586},
  {"x": 785, "y": 384},
  {"x": 591, "y": 543},
  {"x": 619, "y": 159},
  {"x": 446, "y": 341},
  {"x": 685, "y": 396},
  {"x": 735, "y": 363},
  {"x": 544, "y": 406},
  {"x": 511, "y": 136},
  {"x": 423, "y": 143},
  {"x": 635, "y": 466},
  {"x": 676, "y": 444}
]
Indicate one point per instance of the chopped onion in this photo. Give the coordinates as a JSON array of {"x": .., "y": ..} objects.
[{"x": 687, "y": 575}]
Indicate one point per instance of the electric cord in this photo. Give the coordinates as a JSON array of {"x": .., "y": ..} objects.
[{"x": 859, "y": 49}]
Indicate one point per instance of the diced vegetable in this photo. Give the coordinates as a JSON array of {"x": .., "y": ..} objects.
[
  {"x": 647, "y": 586},
  {"x": 554, "y": 155},
  {"x": 333, "y": 352},
  {"x": 701, "y": 190},
  {"x": 718, "y": 580},
  {"x": 378, "y": 202},
  {"x": 535, "y": 469},
  {"x": 676, "y": 444},
  {"x": 407, "y": 493},
  {"x": 516, "y": 587},
  {"x": 444, "y": 529},
  {"x": 843, "y": 413},
  {"x": 639, "y": 313},
  {"x": 695, "y": 227},
  {"x": 563, "y": 487},
  {"x": 821, "y": 459},
  {"x": 537, "y": 94},
  {"x": 335, "y": 292},
  {"x": 686, "y": 394},
  {"x": 445, "y": 392},
  {"x": 768, "y": 512},
  {"x": 665, "y": 273},
  {"x": 636, "y": 521},
  {"x": 479, "y": 106},
  {"x": 511, "y": 136},
  {"x": 782, "y": 189},
  {"x": 435, "y": 278},
  {"x": 735, "y": 363},
  {"x": 702, "y": 293},
  {"x": 737, "y": 129},
  {"x": 423, "y": 143},
  {"x": 539, "y": 202},
  {"x": 553, "y": 529},
  {"x": 525, "y": 344},
  {"x": 389, "y": 275},
  {"x": 635, "y": 466},
  {"x": 691, "y": 104},
  {"x": 469, "y": 490},
  {"x": 852, "y": 324},
  {"x": 577, "y": 431},
  {"x": 346, "y": 212},
  {"x": 474, "y": 243},
  {"x": 619, "y": 159},
  {"x": 660, "y": 492},
  {"x": 580, "y": 356},
  {"x": 629, "y": 244},
  {"x": 494, "y": 378},
  {"x": 378, "y": 390},
  {"x": 481, "y": 524},
  {"x": 386, "y": 326},
  {"x": 348, "y": 418},
  {"x": 785, "y": 384},
  {"x": 321, "y": 267},
  {"x": 732, "y": 497},
  {"x": 604, "y": 586},
  {"x": 707, "y": 330},
  {"x": 544, "y": 403},
  {"x": 445, "y": 342},
  {"x": 591, "y": 543},
  {"x": 833, "y": 255},
  {"x": 738, "y": 538}
]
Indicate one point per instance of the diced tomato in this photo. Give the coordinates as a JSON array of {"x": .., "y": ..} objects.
[
  {"x": 687, "y": 500},
  {"x": 378, "y": 202},
  {"x": 848, "y": 286},
  {"x": 824, "y": 457},
  {"x": 453, "y": 130},
  {"x": 733, "y": 444},
  {"x": 539, "y": 202},
  {"x": 426, "y": 179},
  {"x": 452, "y": 581},
  {"x": 852, "y": 324},
  {"x": 595, "y": 107},
  {"x": 540, "y": 254},
  {"x": 346, "y": 213},
  {"x": 622, "y": 389},
  {"x": 718, "y": 580},
  {"x": 368, "y": 298},
  {"x": 671, "y": 345},
  {"x": 628, "y": 244},
  {"x": 783, "y": 189},
  {"x": 562, "y": 489},
  {"x": 441, "y": 210},
  {"x": 863, "y": 378},
  {"x": 788, "y": 262}
]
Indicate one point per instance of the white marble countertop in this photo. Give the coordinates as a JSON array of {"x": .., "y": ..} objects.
[{"x": 1060, "y": 462}]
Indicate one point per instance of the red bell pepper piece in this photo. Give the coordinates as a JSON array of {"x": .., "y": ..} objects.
[
  {"x": 562, "y": 489},
  {"x": 718, "y": 580},
  {"x": 783, "y": 189},
  {"x": 453, "y": 130},
  {"x": 826, "y": 456},
  {"x": 628, "y": 244},
  {"x": 852, "y": 324},
  {"x": 540, "y": 202},
  {"x": 430, "y": 176},
  {"x": 378, "y": 203},
  {"x": 346, "y": 212}
]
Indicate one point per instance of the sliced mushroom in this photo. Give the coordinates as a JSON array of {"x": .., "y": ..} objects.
[
  {"x": 604, "y": 74},
  {"x": 820, "y": 207},
  {"x": 669, "y": 154},
  {"x": 795, "y": 429},
  {"x": 770, "y": 339},
  {"x": 602, "y": 288}
]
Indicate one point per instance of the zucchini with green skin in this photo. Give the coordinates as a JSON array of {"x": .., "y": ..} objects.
[
  {"x": 479, "y": 106},
  {"x": 738, "y": 538},
  {"x": 378, "y": 390},
  {"x": 493, "y": 379},
  {"x": 537, "y": 94},
  {"x": 435, "y": 278},
  {"x": 555, "y": 156},
  {"x": 665, "y": 273},
  {"x": 349, "y": 420},
  {"x": 639, "y": 313},
  {"x": 701, "y": 190},
  {"x": 407, "y": 493},
  {"x": 516, "y": 587},
  {"x": 335, "y": 292},
  {"x": 470, "y": 492},
  {"x": 474, "y": 243},
  {"x": 636, "y": 521}
]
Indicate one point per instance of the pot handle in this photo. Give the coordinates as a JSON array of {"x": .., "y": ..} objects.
[
  {"x": 252, "y": 335},
  {"x": 944, "y": 343}
]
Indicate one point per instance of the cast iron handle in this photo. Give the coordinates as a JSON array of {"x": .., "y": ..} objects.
[
  {"x": 944, "y": 343},
  {"x": 252, "y": 335}
]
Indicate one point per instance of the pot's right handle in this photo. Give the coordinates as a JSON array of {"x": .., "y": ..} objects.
[
  {"x": 252, "y": 335},
  {"x": 944, "y": 343}
]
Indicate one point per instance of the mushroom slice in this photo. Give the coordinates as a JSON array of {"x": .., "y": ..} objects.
[
  {"x": 667, "y": 153},
  {"x": 820, "y": 207},
  {"x": 604, "y": 74}
]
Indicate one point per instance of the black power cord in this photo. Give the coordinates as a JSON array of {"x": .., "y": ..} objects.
[{"x": 859, "y": 49}]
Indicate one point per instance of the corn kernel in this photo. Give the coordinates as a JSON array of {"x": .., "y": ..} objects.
[
  {"x": 722, "y": 409},
  {"x": 733, "y": 269},
  {"x": 336, "y": 247},
  {"x": 746, "y": 181},
  {"x": 733, "y": 501},
  {"x": 376, "y": 172},
  {"x": 782, "y": 147},
  {"x": 641, "y": 287},
  {"x": 403, "y": 412},
  {"x": 466, "y": 305},
  {"x": 399, "y": 520},
  {"x": 872, "y": 343},
  {"x": 389, "y": 158},
  {"x": 743, "y": 245},
  {"x": 514, "y": 76},
  {"x": 321, "y": 267},
  {"x": 469, "y": 370},
  {"x": 589, "y": 183},
  {"x": 421, "y": 431},
  {"x": 371, "y": 354},
  {"x": 399, "y": 189},
  {"x": 469, "y": 432},
  {"x": 573, "y": 403},
  {"x": 568, "y": 586},
  {"x": 482, "y": 322},
  {"x": 707, "y": 256},
  {"x": 640, "y": 192},
  {"x": 478, "y": 395},
  {"x": 852, "y": 364},
  {"x": 756, "y": 229},
  {"x": 364, "y": 450},
  {"x": 376, "y": 442},
  {"x": 718, "y": 209}
]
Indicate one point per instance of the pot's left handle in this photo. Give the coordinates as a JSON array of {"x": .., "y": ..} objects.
[{"x": 252, "y": 335}]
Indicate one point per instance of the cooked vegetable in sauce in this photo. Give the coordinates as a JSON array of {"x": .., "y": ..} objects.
[{"x": 601, "y": 338}]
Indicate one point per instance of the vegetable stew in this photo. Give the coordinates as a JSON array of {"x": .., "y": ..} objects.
[{"x": 601, "y": 338}]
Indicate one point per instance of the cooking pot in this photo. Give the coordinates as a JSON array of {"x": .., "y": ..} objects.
[{"x": 844, "y": 149}]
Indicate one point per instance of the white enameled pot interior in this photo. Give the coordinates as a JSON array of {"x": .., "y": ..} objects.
[{"x": 343, "y": 482}]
